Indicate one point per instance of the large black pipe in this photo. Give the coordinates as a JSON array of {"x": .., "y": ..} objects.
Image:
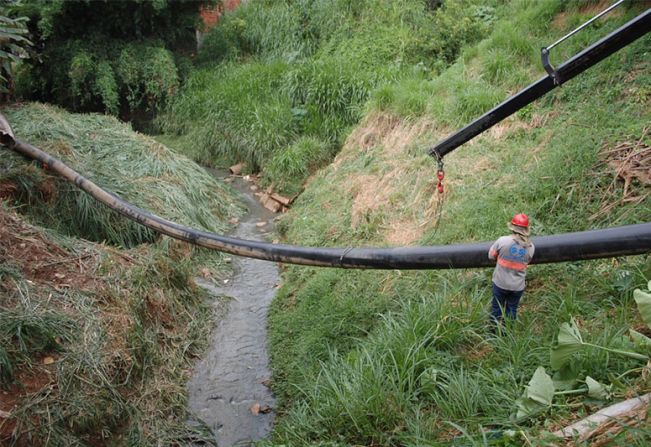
[
  {"x": 626, "y": 240},
  {"x": 595, "y": 53}
]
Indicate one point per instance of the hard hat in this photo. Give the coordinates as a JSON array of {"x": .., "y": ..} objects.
[
  {"x": 521, "y": 220},
  {"x": 520, "y": 224}
]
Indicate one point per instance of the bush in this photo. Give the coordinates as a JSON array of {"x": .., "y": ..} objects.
[
  {"x": 109, "y": 57},
  {"x": 292, "y": 165}
]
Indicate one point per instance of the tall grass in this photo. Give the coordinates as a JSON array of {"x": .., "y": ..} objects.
[
  {"x": 119, "y": 353},
  {"x": 396, "y": 382},
  {"x": 277, "y": 72},
  {"x": 131, "y": 165}
]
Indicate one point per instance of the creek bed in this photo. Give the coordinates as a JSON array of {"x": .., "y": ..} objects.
[{"x": 232, "y": 376}]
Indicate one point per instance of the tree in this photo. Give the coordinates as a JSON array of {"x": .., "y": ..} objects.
[
  {"x": 13, "y": 48},
  {"x": 125, "y": 58}
]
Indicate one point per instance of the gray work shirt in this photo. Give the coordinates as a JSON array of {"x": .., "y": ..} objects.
[{"x": 512, "y": 260}]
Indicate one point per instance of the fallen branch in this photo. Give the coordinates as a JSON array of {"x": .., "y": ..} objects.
[{"x": 628, "y": 412}]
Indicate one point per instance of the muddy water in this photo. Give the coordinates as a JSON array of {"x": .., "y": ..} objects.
[{"x": 229, "y": 381}]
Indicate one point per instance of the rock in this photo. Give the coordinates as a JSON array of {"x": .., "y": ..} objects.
[
  {"x": 255, "y": 409},
  {"x": 48, "y": 360},
  {"x": 233, "y": 220},
  {"x": 254, "y": 188},
  {"x": 236, "y": 169},
  {"x": 261, "y": 224}
]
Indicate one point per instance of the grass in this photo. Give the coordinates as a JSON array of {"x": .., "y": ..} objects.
[
  {"x": 276, "y": 74},
  {"x": 103, "y": 359},
  {"x": 423, "y": 368},
  {"x": 108, "y": 152},
  {"x": 98, "y": 340}
]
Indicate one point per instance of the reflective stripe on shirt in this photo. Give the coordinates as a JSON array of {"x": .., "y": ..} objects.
[{"x": 511, "y": 264}]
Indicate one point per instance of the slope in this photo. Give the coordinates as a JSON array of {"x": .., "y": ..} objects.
[
  {"x": 405, "y": 358},
  {"x": 97, "y": 339}
]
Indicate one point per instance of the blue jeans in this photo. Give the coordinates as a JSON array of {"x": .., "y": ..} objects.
[{"x": 505, "y": 301}]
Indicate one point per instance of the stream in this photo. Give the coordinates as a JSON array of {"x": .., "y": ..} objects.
[{"x": 229, "y": 383}]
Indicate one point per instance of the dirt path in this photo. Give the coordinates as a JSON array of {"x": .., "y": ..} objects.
[{"x": 229, "y": 380}]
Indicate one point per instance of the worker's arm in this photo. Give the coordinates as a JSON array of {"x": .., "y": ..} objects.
[{"x": 492, "y": 252}]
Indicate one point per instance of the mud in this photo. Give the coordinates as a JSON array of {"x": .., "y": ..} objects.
[{"x": 228, "y": 384}]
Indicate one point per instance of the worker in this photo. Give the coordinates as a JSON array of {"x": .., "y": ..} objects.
[{"x": 513, "y": 254}]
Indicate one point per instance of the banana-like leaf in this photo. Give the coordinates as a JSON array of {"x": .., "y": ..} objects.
[
  {"x": 569, "y": 342},
  {"x": 643, "y": 300},
  {"x": 541, "y": 387},
  {"x": 641, "y": 341},
  {"x": 537, "y": 396},
  {"x": 566, "y": 378},
  {"x": 528, "y": 408},
  {"x": 597, "y": 390}
]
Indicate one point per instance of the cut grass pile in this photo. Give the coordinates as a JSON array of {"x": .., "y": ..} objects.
[
  {"x": 406, "y": 358},
  {"x": 282, "y": 82},
  {"x": 108, "y": 152}
]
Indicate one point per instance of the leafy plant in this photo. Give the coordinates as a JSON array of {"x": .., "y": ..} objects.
[
  {"x": 569, "y": 342},
  {"x": 537, "y": 396},
  {"x": 13, "y": 47},
  {"x": 597, "y": 390}
]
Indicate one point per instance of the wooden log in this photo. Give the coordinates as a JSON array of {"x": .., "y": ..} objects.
[
  {"x": 618, "y": 414},
  {"x": 270, "y": 203},
  {"x": 281, "y": 199}
]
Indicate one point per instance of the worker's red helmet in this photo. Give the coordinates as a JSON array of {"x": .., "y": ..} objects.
[
  {"x": 520, "y": 224},
  {"x": 521, "y": 220}
]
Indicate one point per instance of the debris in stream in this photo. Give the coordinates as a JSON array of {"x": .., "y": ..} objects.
[
  {"x": 236, "y": 169},
  {"x": 256, "y": 409}
]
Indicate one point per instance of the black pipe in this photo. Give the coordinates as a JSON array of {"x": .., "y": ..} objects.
[
  {"x": 595, "y": 53},
  {"x": 626, "y": 240}
]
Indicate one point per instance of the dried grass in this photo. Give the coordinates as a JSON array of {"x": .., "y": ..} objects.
[
  {"x": 399, "y": 189},
  {"x": 630, "y": 162}
]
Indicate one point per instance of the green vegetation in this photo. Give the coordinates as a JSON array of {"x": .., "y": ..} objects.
[
  {"x": 120, "y": 58},
  {"x": 412, "y": 362},
  {"x": 280, "y": 78},
  {"x": 359, "y": 358},
  {"x": 97, "y": 341},
  {"x": 13, "y": 47},
  {"x": 102, "y": 355},
  {"x": 108, "y": 152}
]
